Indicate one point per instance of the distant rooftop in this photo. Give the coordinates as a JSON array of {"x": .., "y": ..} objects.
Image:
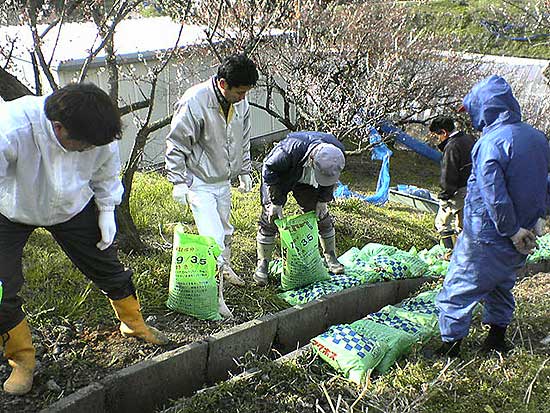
[{"x": 134, "y": 38}]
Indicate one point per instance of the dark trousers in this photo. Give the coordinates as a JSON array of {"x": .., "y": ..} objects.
[
  {"x": 78, "y": 238},
  {"x": 307, "y": 197}
]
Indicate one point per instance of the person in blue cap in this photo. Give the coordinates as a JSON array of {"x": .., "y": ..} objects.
[
  {"x": 308, "y": 164},
  {"x": 505, "y": 209}
]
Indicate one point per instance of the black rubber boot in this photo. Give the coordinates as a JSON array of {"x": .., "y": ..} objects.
[
  {"x": 329, "y": 251},
  {"x": 449, "y": 349},
  {"x": 496, "y": 341}
]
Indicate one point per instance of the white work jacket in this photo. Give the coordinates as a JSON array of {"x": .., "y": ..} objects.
[
  {"x": 202, "y": 143},
  {"x": 41, "y": 183}
]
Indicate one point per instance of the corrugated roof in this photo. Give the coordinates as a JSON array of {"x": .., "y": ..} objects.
[{"x": 133, "y": 38}]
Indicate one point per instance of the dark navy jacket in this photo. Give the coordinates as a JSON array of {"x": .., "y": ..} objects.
[
  {"x": 284, "y": 165},
  {"x": 507, "y": 188}
]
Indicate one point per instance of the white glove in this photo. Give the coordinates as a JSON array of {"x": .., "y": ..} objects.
[
  {"x": 245, "y": 183},
  {"x": 540, "y": 227},
  {"x": 524, "y": 241},
  {"x": 274, "y": 212},
  {"x": 321, "y": 210},
  {"x": 107, "y": 227},
  {"x": 179, "y": 193}
]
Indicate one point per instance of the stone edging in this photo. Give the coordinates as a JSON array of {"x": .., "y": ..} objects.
[{"x": 147, "y": 385}]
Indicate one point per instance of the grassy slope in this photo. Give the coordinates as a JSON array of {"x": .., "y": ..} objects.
[
  {"x": 48, "y": 271},
  {"x": 461, "y": 20},
  {"x": 56, "y": 293}
]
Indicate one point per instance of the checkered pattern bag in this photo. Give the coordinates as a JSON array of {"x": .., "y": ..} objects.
[
  {"x": 345, "y": 280},
  {"x": 310, "y": 292},
  {"x": 392, "y": 320},
  {"x": 415, "y": 266},
  {"x": 316, "y": 290},
  {"x": 349, "y": 352},
  {"x": 389, "y": 268},
  {"x": 423, "y": 303}
]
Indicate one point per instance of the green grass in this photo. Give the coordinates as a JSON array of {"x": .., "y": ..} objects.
[
  {"x": 461, "y": 20},
  {"x": 55, "y": 290}
]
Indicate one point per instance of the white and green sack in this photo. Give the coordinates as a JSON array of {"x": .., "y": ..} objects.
[
  {"x": 302, "y": 262},
  {"x": 192, "y": 288}
]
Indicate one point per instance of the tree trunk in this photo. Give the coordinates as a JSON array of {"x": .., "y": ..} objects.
[
  {"x": 10, "y": 87},
  {"x": 127, "y": 230},
  {"x": 128, "y": 235}
]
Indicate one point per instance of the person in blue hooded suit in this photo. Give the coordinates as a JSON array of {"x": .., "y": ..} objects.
[{"x": 505, "y": 208}]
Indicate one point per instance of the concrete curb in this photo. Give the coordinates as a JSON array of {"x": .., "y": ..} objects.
[{"x": 149, "y": 384}]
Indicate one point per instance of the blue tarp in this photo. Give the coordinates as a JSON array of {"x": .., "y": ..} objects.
[
  {"x": 382, "y": 153},
  {"x": 407, "y": 140}
]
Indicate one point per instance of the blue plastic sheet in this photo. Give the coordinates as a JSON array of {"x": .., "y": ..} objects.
[
  {"x": 382, "y": 153},
  {"x": 411, "y": 143}
]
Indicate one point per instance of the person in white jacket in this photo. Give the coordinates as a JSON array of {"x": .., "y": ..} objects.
[
  {"x": 59, "y": 169},
  {"x": 208, "y": 145}
]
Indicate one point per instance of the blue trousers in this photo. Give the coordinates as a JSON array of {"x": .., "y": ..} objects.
[{"x": 479, "y": 272}]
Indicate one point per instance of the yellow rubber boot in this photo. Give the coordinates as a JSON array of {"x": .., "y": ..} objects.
[
  {"x": 128, "y": 312},
  {"x": 19, "y": 351}
]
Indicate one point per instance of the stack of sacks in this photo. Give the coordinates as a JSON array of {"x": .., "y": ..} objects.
[
  {"x": 435, "y": 258},
  {"x": 379, "y": 339},
  {"x": 373, "y": 263}
]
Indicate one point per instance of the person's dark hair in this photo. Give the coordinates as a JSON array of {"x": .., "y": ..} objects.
[
  {"x": 442, "y": 122},
  {"x": 238, "y": 70},
  {"x": 87, "y": 113}
]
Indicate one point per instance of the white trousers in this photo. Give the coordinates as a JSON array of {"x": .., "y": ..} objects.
[{"x": 211, "y": 208}]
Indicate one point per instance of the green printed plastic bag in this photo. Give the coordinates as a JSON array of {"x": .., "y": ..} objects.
[
  {"x": 416, "y": 267},
  {"x": 309, "y": 293},
  {"x": 422, "y": 303},
  {"x": 193, "y": 288},
  {"x": 399, "y": 342},
  {"x": 426, "y": 324},
  {"x": 388, "y": 268},
  {"x": 349, "y": 352},
  {"x": 319, "y": 289},
  {"x": 542, "y": 251},
  {"x": 389, "y": 317},
  {"x": 348, "y": 258},
  {"x": 358, "y": 266},
  {"x": 302, "y": 262},
  {"x": 434, "y": 258},
  {"x": 372, "y": 249}
]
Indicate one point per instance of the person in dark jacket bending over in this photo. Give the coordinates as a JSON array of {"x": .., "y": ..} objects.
[
  {"x": 505, "y": 208},
  {"x": 308, "y": 164},
  {"x": 456, "y": 166}
]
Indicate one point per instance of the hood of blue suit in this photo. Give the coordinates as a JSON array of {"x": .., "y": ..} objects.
[{"x": 491, "y": 102}]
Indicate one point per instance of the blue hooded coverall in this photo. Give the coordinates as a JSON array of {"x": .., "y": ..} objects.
[{"x": 506, "y": 190}]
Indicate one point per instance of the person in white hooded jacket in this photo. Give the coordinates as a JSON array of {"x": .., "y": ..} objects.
[
  {"x": 59, "y": 169},
  {"x": 208, "y": 145}
]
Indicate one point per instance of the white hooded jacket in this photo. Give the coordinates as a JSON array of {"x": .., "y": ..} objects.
[{"x": 41, "y": 183}]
